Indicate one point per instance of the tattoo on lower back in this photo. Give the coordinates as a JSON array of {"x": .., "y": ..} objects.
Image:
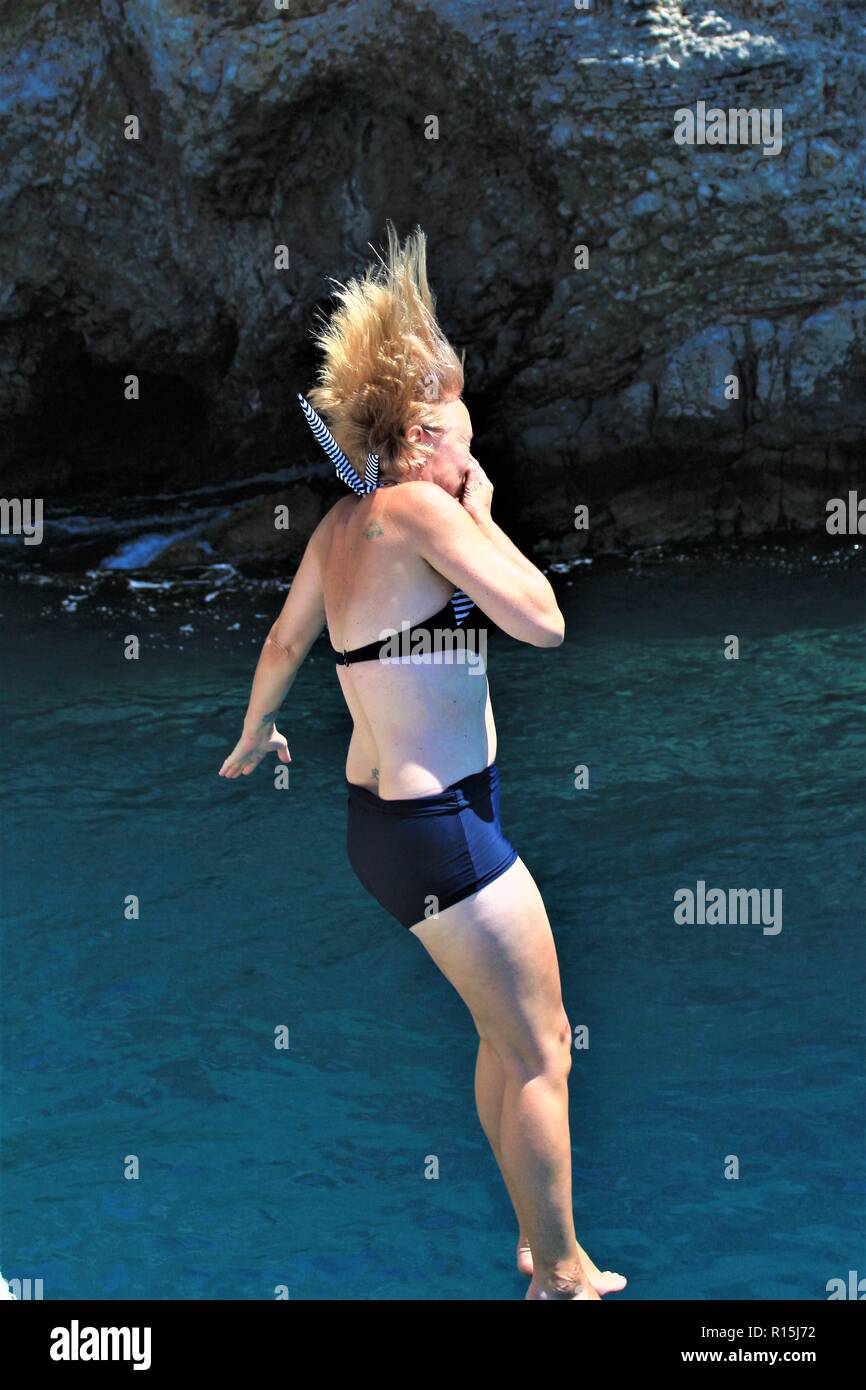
[
  {"x": 373, "y": 530},
  {"x": 375, "y": 772}
]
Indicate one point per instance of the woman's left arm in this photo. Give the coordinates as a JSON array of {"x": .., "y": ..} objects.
[{"x": 283, "y": 652}]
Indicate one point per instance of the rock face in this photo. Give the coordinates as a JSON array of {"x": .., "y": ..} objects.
[
  {"x": 264, "y": 535},
  {"x": 698, "y": 372}
]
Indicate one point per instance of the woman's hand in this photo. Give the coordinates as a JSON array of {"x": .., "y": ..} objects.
[
  {"x": 251, "y": 748},
  {"x": 477, "y": 494}
]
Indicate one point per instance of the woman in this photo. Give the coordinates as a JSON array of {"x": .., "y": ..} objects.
[{"x": 422, "y": 785}]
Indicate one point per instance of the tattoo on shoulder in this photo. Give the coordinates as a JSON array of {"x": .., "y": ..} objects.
[{"x": 373, "y": 530}]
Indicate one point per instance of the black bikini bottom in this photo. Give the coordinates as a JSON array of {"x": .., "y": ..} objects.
[{"x": 420, "y": 854}]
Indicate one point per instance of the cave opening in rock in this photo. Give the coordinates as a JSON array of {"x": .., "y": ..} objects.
[
  {"x": 83, "y": 437},
  {"x": 495, "y": 451}
]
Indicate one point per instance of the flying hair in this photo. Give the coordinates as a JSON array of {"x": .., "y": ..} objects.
[{"x": 386, "y": 364}]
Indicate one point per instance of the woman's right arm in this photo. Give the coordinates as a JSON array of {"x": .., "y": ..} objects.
[{"x": 476, "y": 555}]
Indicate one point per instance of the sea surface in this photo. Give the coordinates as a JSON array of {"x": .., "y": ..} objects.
[{"x": 155, "y": 1141}]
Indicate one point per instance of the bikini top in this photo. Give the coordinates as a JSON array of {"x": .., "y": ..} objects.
[{"x": 452, "y": 615}]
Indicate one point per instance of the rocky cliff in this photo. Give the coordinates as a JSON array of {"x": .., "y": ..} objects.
[{"x": 696, "y": 372}]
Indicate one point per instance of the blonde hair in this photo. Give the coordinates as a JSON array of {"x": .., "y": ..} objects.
[{"x": 387, "y": 364}]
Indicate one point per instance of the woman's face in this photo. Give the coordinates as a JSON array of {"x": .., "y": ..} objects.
[{"x": 452, "y": 458}]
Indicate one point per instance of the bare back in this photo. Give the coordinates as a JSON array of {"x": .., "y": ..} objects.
[{"x": 419, "y": 725}]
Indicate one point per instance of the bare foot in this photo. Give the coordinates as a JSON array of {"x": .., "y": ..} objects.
[
  {"x": 602, "y": 1280},
  {"x": 568, "y": 1283}
]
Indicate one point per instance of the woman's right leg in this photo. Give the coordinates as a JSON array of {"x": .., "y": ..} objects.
[{"x": 497, "y": 950}]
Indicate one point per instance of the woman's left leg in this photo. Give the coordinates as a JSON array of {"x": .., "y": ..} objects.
[
  {"x": 496, "y": 949},
  {"x": 489, "y": 1091}
]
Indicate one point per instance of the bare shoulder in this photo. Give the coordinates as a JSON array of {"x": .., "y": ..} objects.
[
  {"x": 340, "y": 508},
  {"x": 418, "y": 504},
  {"x": 336, "y": 515}
]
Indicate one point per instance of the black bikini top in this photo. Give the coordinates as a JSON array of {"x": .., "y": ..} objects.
[{"x": 453, "y": 615}]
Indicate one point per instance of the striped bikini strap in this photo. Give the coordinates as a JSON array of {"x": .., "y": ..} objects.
[{"x": 345, "y": 472}]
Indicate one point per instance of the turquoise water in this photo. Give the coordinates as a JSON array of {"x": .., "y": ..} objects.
[{"x": 305, "y": 1167}]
